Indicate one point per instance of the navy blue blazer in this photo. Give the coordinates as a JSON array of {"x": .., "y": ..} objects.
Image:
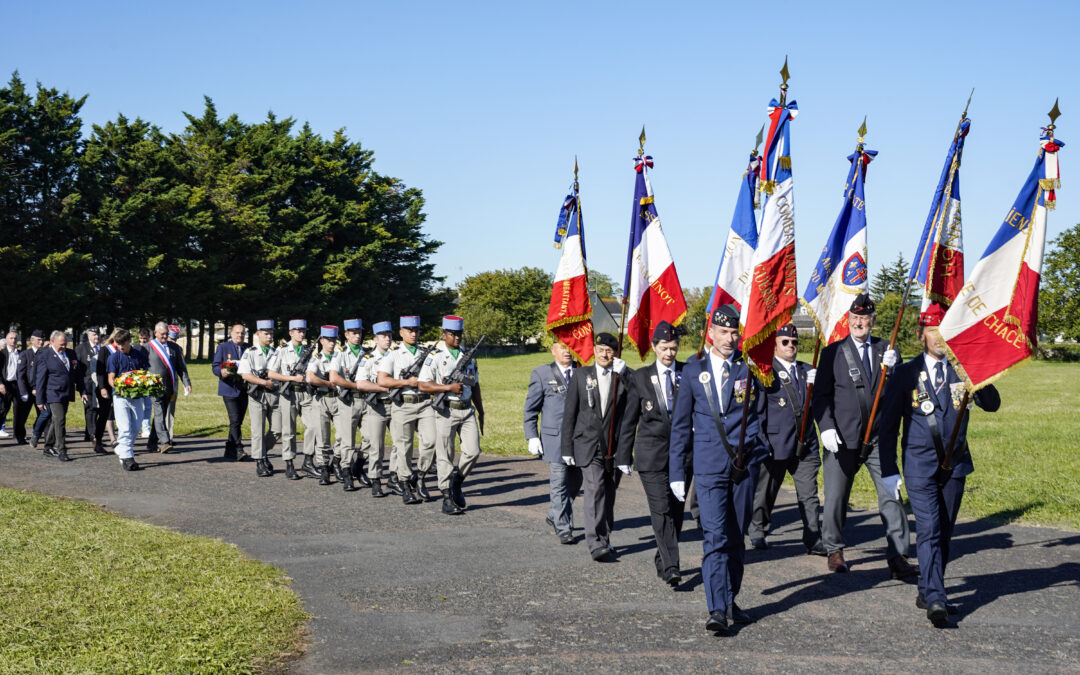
[
  {"x": 229, "y": 350},
  {"x": 780, "y": 426},
  {"x": 55, "y": 382},
  {"x": 900, "y": 403},
  {"x": 545, "y": 400},
  {"x": 694, "y": 432}
]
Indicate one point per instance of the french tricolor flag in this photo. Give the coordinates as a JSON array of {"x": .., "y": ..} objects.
[
  {"x": 773, "y": 294},
  {"x": 570, "y": 311},
  {"x": 992, "y": 324},
  {"x": 652, "y": 290},
  {"x": 732, "y": 285}
]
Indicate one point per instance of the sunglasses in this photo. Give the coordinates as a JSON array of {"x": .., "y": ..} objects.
[{"x": 784, "y": 342}]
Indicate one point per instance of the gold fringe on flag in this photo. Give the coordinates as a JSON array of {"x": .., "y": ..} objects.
[{"x": 785, "y": 163}]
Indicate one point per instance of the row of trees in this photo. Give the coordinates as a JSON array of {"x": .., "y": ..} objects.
[{"x": 224, "y": 221}]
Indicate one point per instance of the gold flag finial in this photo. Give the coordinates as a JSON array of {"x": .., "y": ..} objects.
[
  {"x": 757, "y": 141},
  {"x": 783, "y": 85},
  {"x": 968, "y": 104},
  {"x": 641, "y": 142},
  {"x": 862, "y": 130},
  {"x": 1054, "y": 113},
  {"x": 575, "y": 168}
]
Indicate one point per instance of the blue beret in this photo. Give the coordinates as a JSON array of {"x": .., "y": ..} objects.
[
  {"x": 298, "y": 324},
  {"x": 354, "y": 324},
  {"x": 382, "y": 327},
  {"x": 264, "y": 324},
  {"x": 410, "y": 322},
  {"x": 329, "y": 332},
  {"x": 726, "y": 316},
  {"x": 455, "y": 323}
]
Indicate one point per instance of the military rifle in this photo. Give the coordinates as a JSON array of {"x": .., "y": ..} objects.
[
  {"x": 412, "y": 371},
  {"x": 350, "y": 393},
  {"x": 256, "y": 391},
  {"x": 458, "y": 373},
  {"x": 300, "y": 367}
]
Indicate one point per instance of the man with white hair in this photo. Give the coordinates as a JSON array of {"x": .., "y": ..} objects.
[
  {"x": 57, "y": 380},
  {"x": 167, "y": 361}
]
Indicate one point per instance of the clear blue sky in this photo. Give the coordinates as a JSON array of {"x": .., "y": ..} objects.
[{"x": 484, "y": 106}]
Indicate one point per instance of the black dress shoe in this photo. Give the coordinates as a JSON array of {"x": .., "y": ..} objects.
[
  {"x": 759, "y": 544},
  {"x": 672, "y": 578},
  {"x": 717, "y": 623},
  {"x": 567, "y": 538},
  {"x": 308, "y": 468},
  {"x": 50, "y": 451},
  {"x": 347, "y": 481},
  {"x": 937, "y": 613},
  {"x": 261, "y": 469},
  {"x": 100, "y": 449},
  {"x": 230, "y": 454},
  {"x": 421, "y": 487},
  {"x": 455, "y": 488},
  {"x": 33, "y": 442},
  {"x": 450, "y": 508},
  {"x": 393, "y": 484},
  {"x": 950, "y": 608},
  {"x": 736, "y": 614},
  {"x": 290, "y": 470},
  {"x": 63, "y": 456},
  {"x": 324, "y": 475},
  {"x": 129, "y": 464},
  {"x": 817, "y": 549},
  {"x": 376, "y": 489},
  {"x": 900, "y": 568},
  {"x": 243, "y": 457},
  {"x": 603, "y": 554}
]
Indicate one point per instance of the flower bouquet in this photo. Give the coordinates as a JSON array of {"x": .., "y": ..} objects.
[
  {"x": 228, "y": 370},
  {"x": 139, "y": 383}
]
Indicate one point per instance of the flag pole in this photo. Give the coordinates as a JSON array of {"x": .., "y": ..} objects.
[
  {"x": 867, "y": 448},
  {"x": 629, "y": 258}
]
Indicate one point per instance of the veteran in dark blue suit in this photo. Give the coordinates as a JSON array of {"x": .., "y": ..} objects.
[
  {"x": 544, "y": 402},
  {"x": 58, "y": 376},
  {"x": 706, "y": 425},
  {"x": 232, "y": 390},
  {"x": 786, "y": 396},
  {"x": 925, "y": 394}
]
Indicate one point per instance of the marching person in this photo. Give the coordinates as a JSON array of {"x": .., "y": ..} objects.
[
  {"x": 926, "y": 394},
  {"x": 545, "y": 400},
  {"x": 707, "y": 425},
  {"x": 122, "y": 360},
  {"x": 410, "y": 414},
  {"x": 232, "y": 390},
  {"x": 786, "y": 396},
  {"x": 346, "y": 374},
  {"x": 254, "y": 369},
  {"x": 28, "y": 385},
  {"x": 147, "y": 404},
  {"x": 293, "y": 397},
  {"x": 847, "y": 378},
  {"x": 325, "y": 407},
  {"x": 591, "y": 417},
  {"x": 10, "y": 396},
  {"x": 103, "y": 389},
  {"x": 462, "y": 414},
  {"x": 87, "y": 351},
  {"x": 166, "y": 360},
  {"x": 58, "y": 378},
  {"x": 377, "y": 418},
  {"x": 644, "y": 443},
  {"x": 181, "y": 368}
]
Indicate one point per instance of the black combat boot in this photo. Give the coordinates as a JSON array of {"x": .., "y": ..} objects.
[
  {"x": 450, "y": 508},
  {"x": 324, "y": 475},
  {"x": 376, "y": 489},
  {"x": 261, "y": 470},
  {"x": 393, "y": 484},
  {"x": 421, "y": 487},
  {"x": 455, "y": 489},
  {"x": 290, "y": 470},
  {"x": 361, "y": 473},
  {"x": 346, "y": 481},
  {"x": 266, "y": 461},
  {"x": 337, "y": 469},
  {"x": 308, "y": 468},
  {"x": 407, "y": 495}
]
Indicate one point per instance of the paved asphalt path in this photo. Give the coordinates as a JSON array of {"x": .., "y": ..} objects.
[{"x": 394, "y": 586}]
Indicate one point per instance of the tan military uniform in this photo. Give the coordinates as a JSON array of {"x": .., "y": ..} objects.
[
  {"x": 413, "y": 414},
  {"x": 351, "y": 406},
  {"x": 455, "y": 416},
  {"x": 376, "y": 418},
  {"x": 291, "y": 400},
  {"x": 256, "y": 361},
  {"x": 323, "y": 409}
]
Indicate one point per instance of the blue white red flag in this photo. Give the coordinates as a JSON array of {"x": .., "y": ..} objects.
[
  {"x": 938, "y": 266},
  {"x": 570, "y": 311},
  {"x": 732, "y": 285},
  {"x": 841, "y": 272},
  {"x": 651, "y": 289},
  {"x": 992, "y": 325},
  {"x": 773, "y": 293}
]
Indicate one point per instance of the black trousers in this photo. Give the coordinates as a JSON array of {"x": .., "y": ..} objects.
[
  {"x": 58, "y": 426},
  {"x": 666, "y": 514},
  {"x": 8, "y": 399},
  {"x": 90, "y": 414},
  {"x": 22, "y": 412},
  {"x": 804, "y": 472},
  {"x": 600, "y": 480},
  {"x": 104, "y": 414},
  {"x": 237, "y": 408}
]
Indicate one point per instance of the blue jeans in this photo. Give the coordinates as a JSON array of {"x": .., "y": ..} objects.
[
  {"x": 41, "y": 422},
  {"x": 127, "y": 413},
  {"x": 565, "y": 484},
  {"x": 144, "y": 407}
]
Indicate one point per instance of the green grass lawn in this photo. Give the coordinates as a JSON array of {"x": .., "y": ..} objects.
[
  {"x": 82, "y": 590},
  {"x": 1027, "y": 455}
]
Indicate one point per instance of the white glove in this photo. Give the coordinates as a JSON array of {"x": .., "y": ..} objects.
[
  {"x": 678, "y": 488},
  {"x": 831, "y": 440},
  {"x": 25, "y": 398},
  {"x": 888, "y": 359},
  {"x": 625, "y": 468},
  {"x": 810, "y": 375},
  {"x": 536, "y": 447},
  {"x": 568, "y": 461},
  {"x": 618, "y": 365},
  {"x": 892, "y": 484}
]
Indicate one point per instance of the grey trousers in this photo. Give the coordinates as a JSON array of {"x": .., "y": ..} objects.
[
  {"x": 261, "y": 414},
  {"x": 599, "y": 499},
  {"x": 406, "y": 420},
  {"x": 164, "y": 410},
  {"x": 450, "y": 422},
  {"x": 347, "y": 419},
  {"x": 373, "y": 436},
  {"x": 839, "y": 470},
  {"x": 57, "y": 431},
  {"x": 771, "y": 476},
  {"x": 289, "y": 409},
  {"x": 565, "y": 483}
]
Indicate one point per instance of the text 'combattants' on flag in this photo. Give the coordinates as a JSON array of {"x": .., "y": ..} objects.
[
  {"x": 652, "y": 291},
  {"x": 569, "y": 317},
  {"x": 841, "y": 272},
  {"x": 992, "y": 324}
]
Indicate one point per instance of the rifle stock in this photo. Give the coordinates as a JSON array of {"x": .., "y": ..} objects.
[{"x": 457, "y": 373}]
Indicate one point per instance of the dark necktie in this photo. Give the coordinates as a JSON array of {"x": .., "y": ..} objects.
[
  {"x": 939, "y": 384},
  {"x": 566, "y": 376},
  {"x": 866, "y": 361},
  {"x": 795, "y": 381},
  {"x": 669, "y": 390},
  {"x": 725, "y": 394}
]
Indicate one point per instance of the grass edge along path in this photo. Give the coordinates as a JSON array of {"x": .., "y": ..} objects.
[{"x": 83, "y": 590}]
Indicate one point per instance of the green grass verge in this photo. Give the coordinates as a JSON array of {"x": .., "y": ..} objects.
[{"x": 82, "y": 590}]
